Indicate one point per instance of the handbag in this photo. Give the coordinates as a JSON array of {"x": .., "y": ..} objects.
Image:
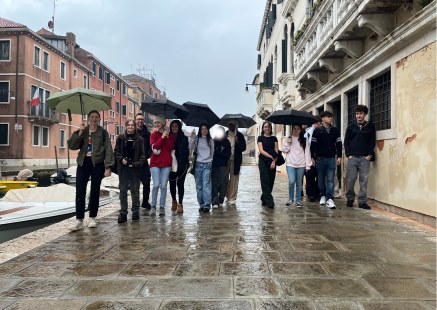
[
  {"x": 193, "y": 160},
  {"x": 174, "y": 161},
  {"x": 280, "y": 161}
]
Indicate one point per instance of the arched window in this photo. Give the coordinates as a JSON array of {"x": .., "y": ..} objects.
[{"x": 284, "y": 50}]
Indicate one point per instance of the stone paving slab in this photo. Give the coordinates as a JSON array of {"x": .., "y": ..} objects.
[{"x": 236, "y": 257}]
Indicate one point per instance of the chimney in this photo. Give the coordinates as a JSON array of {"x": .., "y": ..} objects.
[{"x": 71, "y": 43}]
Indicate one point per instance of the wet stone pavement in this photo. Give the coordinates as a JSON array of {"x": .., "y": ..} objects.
[{"x": 237, "y": 257}]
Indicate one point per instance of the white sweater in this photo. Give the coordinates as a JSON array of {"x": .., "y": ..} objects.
[{"x": 296, "y": 157}]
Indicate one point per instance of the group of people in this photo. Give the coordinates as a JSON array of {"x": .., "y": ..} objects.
[
  {"x": 315, "y": 153},
  {"x": 140, "y": 156}
]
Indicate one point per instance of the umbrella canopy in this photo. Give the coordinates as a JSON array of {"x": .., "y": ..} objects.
[
  {"x": 242, "y": 120},
  {"x": 166, "y": 107},
  {"x": 199, "y": 113},
  {"x": 79, "y": 101},
  {"x": 290, "y": 117}
]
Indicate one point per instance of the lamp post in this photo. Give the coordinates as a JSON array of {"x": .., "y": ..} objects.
[{"x": 273, "y": 87}]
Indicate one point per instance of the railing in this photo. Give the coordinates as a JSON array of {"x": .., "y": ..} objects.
[
  {"x": 43, "y": 113},
  {"x": 320, "y": 29}
]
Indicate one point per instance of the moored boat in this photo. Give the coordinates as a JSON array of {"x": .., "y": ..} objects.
[{"x": 6, "y": 186}]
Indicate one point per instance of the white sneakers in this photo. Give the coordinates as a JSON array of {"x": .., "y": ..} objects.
[
  {"x": 289, "y": 203},
  {"x": 322, "y": 200},
  {"x": 231, "y": 202},
  {"x": 78, "y": 225},
  {"x": 215, "y": 206},
  {"x": 92, "y": 223},
  {"x": 330, "y": 204}
]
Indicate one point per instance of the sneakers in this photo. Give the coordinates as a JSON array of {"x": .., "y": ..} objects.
[
  {"x": 180, "y": 208},
  {"x": 77, "y": 226},
  {"x": 152, "y": 211},
  {"x": 122, "y": 218},
  {"x": 298, "y": 204},
  {"x": 215, "y": 206},
  {"x": 201, "y": 209},
  {"x": 146, "y": 205},
  {"x": 350, "y": 204},
  {"x": 92, "y": 223},
  {"x": 312, "y": 199},
  {"x": 232, "y": 202},
  {"x": 330, "y": 204},
  {"x": 174, "y": 205},
  {"x": 161, "y": 211},
  {"x": 135, "y": 216},
  {"x": 322, "y": 200},
  {"x": 205, "y": 210},
  {"x": 364, "y": 206},
  {"x": 289, "y": 203}
]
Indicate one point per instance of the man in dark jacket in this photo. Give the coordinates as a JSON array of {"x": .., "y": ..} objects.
[
  {"x": 238, "y": 146},
  {"x": 219, "y": 174},
  {"x": 359, "y": 146},
  {"x": 326, "y": 151},
  {"x": 144, "y": 133}
]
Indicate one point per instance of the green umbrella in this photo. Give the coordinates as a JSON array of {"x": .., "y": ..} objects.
[{"x": 79, "y": 101}]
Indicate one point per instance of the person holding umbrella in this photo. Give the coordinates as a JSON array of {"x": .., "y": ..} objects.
[
  {"x": 130, "y": 157},
  {"x": 203, "y": 146},
  {"x": 177, "y": 179},
  {"x": 160, "y": 163},
  {"x": 219, "y": 174},
  {"x": 268, "y": 155},
  {"x": 94, "y": 160},
  {"x": 238, "y": 146}
]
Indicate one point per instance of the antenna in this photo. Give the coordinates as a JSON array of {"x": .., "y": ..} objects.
[{"x": 51, "y": 23}]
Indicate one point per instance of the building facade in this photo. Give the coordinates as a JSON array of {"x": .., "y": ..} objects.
[
  {"x": 50, "y": 63},
  {"x": 335, "y": 54}
]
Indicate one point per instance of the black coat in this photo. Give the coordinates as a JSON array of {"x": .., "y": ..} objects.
[
  {"x": 239, "y": 148},
  {"x": 360, "y": 141},
  {"x": 181, "y": 152},
  {"x": 222, "y": 152},
  {"x": 120, "y": 152}
]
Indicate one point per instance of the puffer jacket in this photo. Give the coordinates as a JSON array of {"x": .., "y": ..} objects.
[{"x": 139, "y": 154}]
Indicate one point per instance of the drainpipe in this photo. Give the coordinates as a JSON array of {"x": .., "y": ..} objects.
[{"x": 16, "y": 79}]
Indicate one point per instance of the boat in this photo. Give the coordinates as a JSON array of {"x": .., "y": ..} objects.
[{"x": 6, "y": 186}]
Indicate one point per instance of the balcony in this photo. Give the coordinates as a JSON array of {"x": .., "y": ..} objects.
[
  {"x": 338, "y": 29},
  {"x": 43, "y": 114},
  {"x": 264, "y": 101}
]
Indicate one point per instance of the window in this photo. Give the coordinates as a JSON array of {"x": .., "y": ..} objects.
[
  {"x": 63, "y": 76},
  {"x": 117, "y": 107},
  {"x": 124, "y": 110},
  {"x": 380, "y": 101},
  {"x": 5, "y": 50},
  {"x": 106, "y": 125},
  {"x": 352, "y": 102},
  {"x": 131, "y": 107},
  {"x": 112, "y": 91},
  {"x": 111, "y": 114},
  {"x": 4, "y": 92},
  {"x": 112, "y": 138},
  {"x": 134, "y": 90},
  {"x": 4, "y": 134},
  {"x": 75, "y": 73},
  {"x": 100, "y": 73},
  {"x": 45, "y": 136},
  {"x": 124, "y": 89},
  {"x": 94, "y": 68},
  {"x": 108, "y": 78},
  {"x": 117, "y": 85},
  {"x": 85, "y": 117},
  {"x": 117, "y": 129},
  {"x": 42, "y": 110},
  {"x": 36, "y": 130},
  {"x": 62, "y": 139},
  {"x": 85, "y": 81},
  {"x": 36, "y": 56},
  {"x": 46, "y": 61}
]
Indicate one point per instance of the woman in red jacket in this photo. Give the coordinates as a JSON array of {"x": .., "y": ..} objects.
[{"x": 160, "y": 163}]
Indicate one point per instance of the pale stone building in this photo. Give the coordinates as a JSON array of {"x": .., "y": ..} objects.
[{"x": 334, "y": 54}]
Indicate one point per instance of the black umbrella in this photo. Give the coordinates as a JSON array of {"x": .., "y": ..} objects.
[
  {"x": 290, "y": 117},
  {"x": 199, "y": 113},
  {"x": 242, "y": 120},
  {"x": 166, "y": 107}
]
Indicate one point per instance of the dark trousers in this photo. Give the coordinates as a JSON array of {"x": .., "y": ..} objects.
[
  {"x": 177, "y": 180},
  {"x": 219, "y": 183},
  {"x": 129, "y": 180},
  {"x": 267, "y": 178},
  {"x": 311, "y": 186},
  {"x": 145, "y": 180},
  {"x": 83, "y": 174}
]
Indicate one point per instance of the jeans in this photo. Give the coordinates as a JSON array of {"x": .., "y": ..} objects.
[
  {"x": 145, "y": 180},
  {"x": 202, "y": 175},
  {"x": 160, "y": 178},
  {"x": 128, "y": 179},
  {"x": 357, "y": 166},
  {"x": 326, "y": 172},
  {"x": 177, "y": 180},
  {"x": 219, "y": 178},
  {"x": 83, "y": 174},
  {"x": 295, "y": 176}
]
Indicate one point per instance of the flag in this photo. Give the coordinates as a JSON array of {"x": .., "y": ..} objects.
[{"x": 35, "y": 100}]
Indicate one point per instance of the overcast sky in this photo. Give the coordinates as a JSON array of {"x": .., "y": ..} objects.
[{"x": 200, "y": 50}]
